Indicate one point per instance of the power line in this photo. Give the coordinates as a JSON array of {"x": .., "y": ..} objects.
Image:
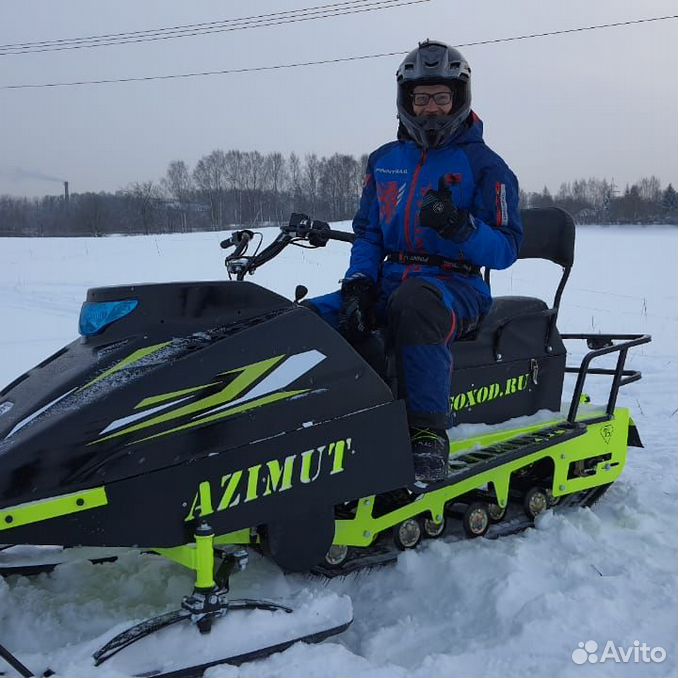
[
  {"x": 254, "y": 69},
  {"x": 206, "y": 28},
  {"x": 570, "y": 30},
  {"x": 173, "y": 28}
]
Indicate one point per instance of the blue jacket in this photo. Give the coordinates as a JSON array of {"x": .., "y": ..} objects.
[{"x": 400, "y": 173}]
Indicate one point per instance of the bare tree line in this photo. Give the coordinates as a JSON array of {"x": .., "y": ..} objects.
[
  {"x": 225, "y": 189},
  {"x": 598, "y": 201},
  {"x": 230, "y": 189}
]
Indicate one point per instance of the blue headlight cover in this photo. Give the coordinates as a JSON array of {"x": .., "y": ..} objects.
[{"x": 95, "y": 316}]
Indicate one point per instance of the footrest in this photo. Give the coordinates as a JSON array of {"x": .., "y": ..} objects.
[{"x": 468, "y": 464}]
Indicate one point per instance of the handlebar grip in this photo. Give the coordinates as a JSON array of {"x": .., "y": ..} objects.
[
  {"x": 303, "y": 226},
  {"x": 238, "y": 238},
  {"x": 344, "y": 236}
]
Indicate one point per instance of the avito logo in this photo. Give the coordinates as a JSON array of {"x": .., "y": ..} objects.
[{"x": 638, "y": 653}]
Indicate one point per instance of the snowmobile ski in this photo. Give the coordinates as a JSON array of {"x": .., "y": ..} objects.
[
  {"x": 271, "y": 628},
  {"x": 252, "y": 655},
  {"x": 219, "y": 605}
]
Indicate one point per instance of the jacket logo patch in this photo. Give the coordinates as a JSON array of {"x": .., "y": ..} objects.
[{"x": 389, "y": 195}]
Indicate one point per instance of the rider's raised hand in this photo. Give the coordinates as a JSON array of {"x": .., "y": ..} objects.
[{"x": 439, "y": 212}]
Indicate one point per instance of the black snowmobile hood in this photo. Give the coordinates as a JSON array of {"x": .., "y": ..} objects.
[
  {"x": 223, "y": 396},
  {"x": 49, "y": 414},
  {"x": 165, "y": 311},
  {"x": 172, "y": 381}
]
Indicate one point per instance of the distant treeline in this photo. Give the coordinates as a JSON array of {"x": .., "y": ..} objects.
[
  {"x": 596, "y": 201},
  {"x": 237, "y": 188}
]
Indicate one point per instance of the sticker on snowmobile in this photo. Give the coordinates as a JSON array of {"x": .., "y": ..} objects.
[
  {"x": 132, "y": 360},
  {"x": 262, "y": 480},
  {"x": 484, "y": 394},
  {"x": 6, "y": 407},
  {"x": 606, "y": 432},
  {"x": 242, "y": 389},
  {"x": 34, "y": 415}
]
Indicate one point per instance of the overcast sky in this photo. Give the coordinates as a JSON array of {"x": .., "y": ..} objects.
[{"x": 600, "y": 103}]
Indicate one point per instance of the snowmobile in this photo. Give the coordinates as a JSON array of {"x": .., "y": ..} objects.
[{"x": 197, "y": 420}]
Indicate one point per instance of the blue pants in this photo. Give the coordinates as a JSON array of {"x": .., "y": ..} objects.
[{"x": 421, "y": 316}]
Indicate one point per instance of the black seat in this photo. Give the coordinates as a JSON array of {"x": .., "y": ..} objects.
[
  {"x": 548, "y": 234},
  {"x": 504, "y": 308}
]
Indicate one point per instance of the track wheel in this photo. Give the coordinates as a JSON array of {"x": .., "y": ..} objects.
[
  {"x": 535, "y": 502},
  {"x": 496, "y": 512},
  {"x": 337, "y": 555},
  {"x": 476, "y": 519},
  {"x": 433, "y": 529},
  {"x": 407, "y": 534}
]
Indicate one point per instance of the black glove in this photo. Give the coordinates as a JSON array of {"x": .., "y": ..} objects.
[
  {"x": 439, "y": 212},
  {"x": 356, "y": 317}
]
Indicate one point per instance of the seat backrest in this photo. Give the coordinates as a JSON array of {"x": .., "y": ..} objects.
[{"x": 548, "y": 234}]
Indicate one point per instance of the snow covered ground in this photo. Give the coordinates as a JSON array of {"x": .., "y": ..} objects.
[{"x": 520, "y": 605}]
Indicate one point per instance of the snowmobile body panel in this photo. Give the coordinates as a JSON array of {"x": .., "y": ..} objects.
[
  {"x": 513, "y": 365},
  {"x": 277, "y": 478},
  {"x": 592, "y": 454},
  {"x": 216, "y": 382}
]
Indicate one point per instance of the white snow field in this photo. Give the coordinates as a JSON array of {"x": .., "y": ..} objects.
[{"x": 516, "y": 606}]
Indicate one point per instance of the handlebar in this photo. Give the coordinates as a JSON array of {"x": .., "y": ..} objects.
[
  {"x": 240, "y": 240},
  {"x": 300, "y": 228},
  {"x": 318, "y": 233}
]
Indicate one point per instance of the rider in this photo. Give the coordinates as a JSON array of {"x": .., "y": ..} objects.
[{"x": 437, "y": 204}]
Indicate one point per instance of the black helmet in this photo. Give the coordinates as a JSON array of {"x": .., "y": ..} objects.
[{"x": 434, "y": 63}]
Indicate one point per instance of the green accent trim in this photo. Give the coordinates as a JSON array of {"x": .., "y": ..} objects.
[
  {"x": 187, "y": 554},
  {"x": 53, "y": 507},
  {"x": 156, "y": 400},
  {"x": 600, "y": 439},
  {"x": 126, "y": 362},
  {"x": 204, "y": 561},
  {"x": 242, "y": 383}
]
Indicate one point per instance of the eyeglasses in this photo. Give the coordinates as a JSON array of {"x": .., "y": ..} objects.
[{"x": 440, "y": 98}]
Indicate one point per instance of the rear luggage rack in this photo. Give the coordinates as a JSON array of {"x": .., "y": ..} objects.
[{"x": 602, "y": 344}]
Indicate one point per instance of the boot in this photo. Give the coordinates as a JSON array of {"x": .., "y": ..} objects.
[{"x": 430, "y": 451}]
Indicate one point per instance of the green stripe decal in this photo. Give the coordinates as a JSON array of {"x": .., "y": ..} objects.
[
  {"x": 157, "y": 400},
  {"x": 243, "y": 382},
  {"x": 52, "y": 507},
  {"x": 251, "y": 405},
  {"x": 128, "y": 361}
]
